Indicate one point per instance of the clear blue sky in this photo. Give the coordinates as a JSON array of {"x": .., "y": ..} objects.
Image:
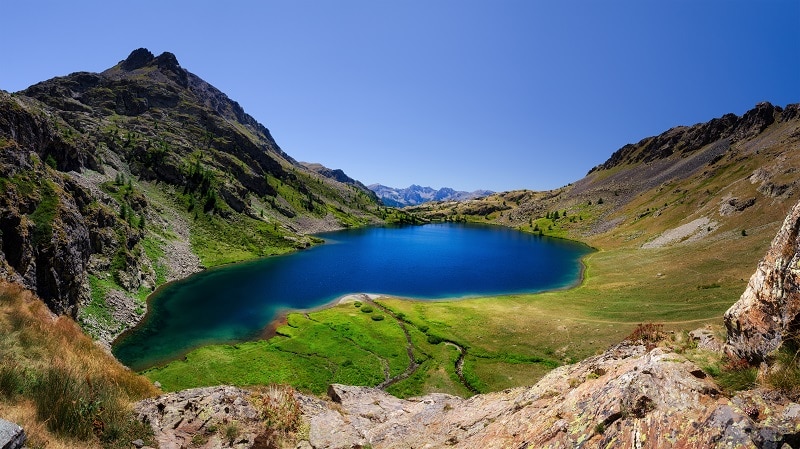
[{"x": 466, "y": 94}]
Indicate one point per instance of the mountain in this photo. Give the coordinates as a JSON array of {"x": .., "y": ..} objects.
[
  {"x": 116, "y": 182},
  {"x": 728, "y": 174},
  {"x": 415, "y": 195}
]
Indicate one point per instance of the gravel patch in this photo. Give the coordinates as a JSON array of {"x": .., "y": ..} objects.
[{"x": 689, "y": 232}]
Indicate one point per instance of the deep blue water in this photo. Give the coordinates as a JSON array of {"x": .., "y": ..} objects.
[{"x": 236, "y": 302}]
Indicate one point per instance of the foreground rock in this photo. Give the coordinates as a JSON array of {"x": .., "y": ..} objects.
[
  {"x": 769, "y": 310},
  {"x": 211, "y": 417},
  {"x": 628, "y": 396},
  {"x": 11, "y": 435}
]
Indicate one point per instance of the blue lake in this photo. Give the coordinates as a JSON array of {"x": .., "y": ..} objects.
[{"x": 237, "y": 302}]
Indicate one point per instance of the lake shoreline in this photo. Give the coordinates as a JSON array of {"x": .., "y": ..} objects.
[{"x": 506, "y": 271}]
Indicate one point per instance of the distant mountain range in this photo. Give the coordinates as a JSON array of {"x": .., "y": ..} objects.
[{"x": 415, "y": 195}]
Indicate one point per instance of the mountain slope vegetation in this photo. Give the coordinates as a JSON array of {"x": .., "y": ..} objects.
[{"x": 116, "y": 182}]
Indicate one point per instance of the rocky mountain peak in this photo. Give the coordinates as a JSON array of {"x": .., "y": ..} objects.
[
  {"x": 137, "y": 59},
  {"x": 769, "y": 309},
  {"x": 166, "y": 62}
]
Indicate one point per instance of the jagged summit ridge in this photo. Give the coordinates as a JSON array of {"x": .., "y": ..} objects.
[
  {"x": 685, "y": 140},
  {"x": 137, "y": 59}
]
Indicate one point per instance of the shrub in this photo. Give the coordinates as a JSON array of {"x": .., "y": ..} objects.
[
  {"x": 367, "y": 309},
  {"x": 377, "y": 317},
  {"x": 648, "y": 333},
  {"x": 434, "y": 339},
  {"x": 232, "y": 432}
]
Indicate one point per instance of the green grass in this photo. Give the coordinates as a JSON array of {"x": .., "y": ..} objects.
[
  {"x": 45, "y": 213},
  {"x": 340, "y": 345},
  {"x": 154, "y": 249}
]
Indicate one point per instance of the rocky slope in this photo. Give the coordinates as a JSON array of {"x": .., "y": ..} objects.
[
  {"x": 734, "y": 171},
  {"x": 116, "y": 182},
  {"x": 639, "y": 393},
  {"x": 415, "y": 195}
]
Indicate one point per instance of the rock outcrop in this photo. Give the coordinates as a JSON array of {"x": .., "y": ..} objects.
[
  {"x": 628, "y": 396},
  {"x": 210, "y": 417},
  {"x": 12, "y": 436},
  {"x": 769, "y": 309}
]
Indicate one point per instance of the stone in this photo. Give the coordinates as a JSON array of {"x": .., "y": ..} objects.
[
  {"x": 705, "y": 339},
  {"x": 769, "y": 309},
  {"x": 12, "y": 436},
  {"x": 137, "y": 59}
]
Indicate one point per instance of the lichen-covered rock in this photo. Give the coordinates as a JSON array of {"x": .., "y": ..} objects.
[
  {"x": 213, "y": 417},
  {"x": 769, "y": 309}
]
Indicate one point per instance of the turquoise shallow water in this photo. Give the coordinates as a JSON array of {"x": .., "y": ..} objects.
[{"x": 236, "y": 302}]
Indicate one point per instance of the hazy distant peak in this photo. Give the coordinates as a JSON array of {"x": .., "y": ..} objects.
[{"x": 416, "y": 194}]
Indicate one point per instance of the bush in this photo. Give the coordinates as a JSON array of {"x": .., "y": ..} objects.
[
  {"x": 280, "y": 411},
  {"x": 377, "y": 317},
  {"x": 648, "y": 333},
  {"x": 367, "y": 309},
  {"x": 434, "y": 339}
]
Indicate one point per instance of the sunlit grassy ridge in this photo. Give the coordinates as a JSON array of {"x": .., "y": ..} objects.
[{"x": 62, "y": 388}]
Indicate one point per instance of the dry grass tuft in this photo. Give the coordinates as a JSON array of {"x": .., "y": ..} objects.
[
  {"x": 64, "y": 388},
  {"x": 281, "y": 413}
]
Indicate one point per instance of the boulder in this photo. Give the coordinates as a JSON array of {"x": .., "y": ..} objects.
[
  {"x": 769, "y": 309},
  {"x": 11, "y": 435}
]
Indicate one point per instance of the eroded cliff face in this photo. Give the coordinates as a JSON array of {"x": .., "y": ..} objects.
[{"x": 768, "y": 312}]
